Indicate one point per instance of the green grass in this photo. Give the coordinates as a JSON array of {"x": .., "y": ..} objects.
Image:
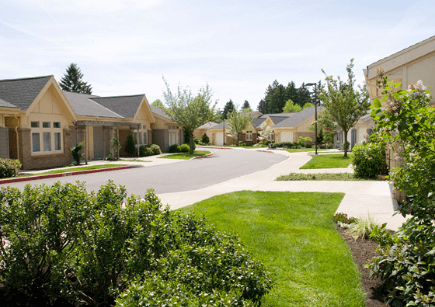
[
  {"x": 294, "y": 236},
  {"x": 184, "y": 155},
  {"x": 327, "y": 161},
  {"x": 324, "y": 176},
  {"x": 83, "y": 168},
  {"x": 302, "y": 149},
  {"x": 131, "y": 160}
]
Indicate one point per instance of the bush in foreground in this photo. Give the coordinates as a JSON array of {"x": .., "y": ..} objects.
[{"x": 62, "y": 245}]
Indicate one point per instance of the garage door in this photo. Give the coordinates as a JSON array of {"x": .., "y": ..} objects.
[
  {"x": 219, "y": 138},
  {"x": 287, "y": 136}
]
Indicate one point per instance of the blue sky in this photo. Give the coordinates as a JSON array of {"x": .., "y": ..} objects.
[{"x": 237, "y": 47}]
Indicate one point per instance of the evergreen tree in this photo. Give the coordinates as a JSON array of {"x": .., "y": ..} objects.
[
  {"x": 262, "y": 107},
  {"x": 304, "y": 95},
  {"x": 246, "y": 105},
  {"x": 72, "y": 81},
  {"x": 229, "y": 107}
]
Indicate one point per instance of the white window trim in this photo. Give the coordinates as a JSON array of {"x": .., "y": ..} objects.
[{"x": 40, "y": 130}]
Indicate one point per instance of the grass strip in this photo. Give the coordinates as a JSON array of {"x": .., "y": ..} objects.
[
  {"x": 77, "y": 169},
  {"x": 302, "y": 149},
  {"x": 327, "y": 161},
  {"x": 321, "y": 176},
  {"x": 185, "y": 155},
  {"x": 294, "y": 236}
]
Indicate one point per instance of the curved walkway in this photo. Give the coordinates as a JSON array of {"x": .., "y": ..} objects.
[{"x": 361, "y": 197}]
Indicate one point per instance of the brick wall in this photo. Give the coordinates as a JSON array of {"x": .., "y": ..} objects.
[{"x": 43, "y": 161}]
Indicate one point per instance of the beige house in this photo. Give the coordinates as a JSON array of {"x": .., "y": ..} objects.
[{"x": 199, "y": 132}]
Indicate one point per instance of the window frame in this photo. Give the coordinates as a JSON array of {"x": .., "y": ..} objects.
[{"x": 49, "y": 134}]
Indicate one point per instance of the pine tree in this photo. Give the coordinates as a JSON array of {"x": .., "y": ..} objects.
[
  {"x": 262, "y": 107},
  {"x": 229, "y": 107},
  {"x": 246, "y": 105},
  {"x": 72, "y": 81}
]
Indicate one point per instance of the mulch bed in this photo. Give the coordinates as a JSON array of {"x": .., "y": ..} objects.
[{"x": 362, "y": 253}]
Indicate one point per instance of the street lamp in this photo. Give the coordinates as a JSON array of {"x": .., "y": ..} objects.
[{"x": 315, "y": 114}]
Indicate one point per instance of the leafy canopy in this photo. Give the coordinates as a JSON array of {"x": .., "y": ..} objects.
[
  {"x": 72, "y": 81},
  {"x": 158, "y": 104},
  {"x": 237, "y": 122},
  {"x": 291, "y": 107},
  {"x": 343, "y": 102}
]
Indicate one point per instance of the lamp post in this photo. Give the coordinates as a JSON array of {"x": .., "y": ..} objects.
[{"x": 315, "y": 114}]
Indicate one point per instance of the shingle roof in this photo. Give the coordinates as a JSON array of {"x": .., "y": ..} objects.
[
  {"x": 256, "y": 122},
  {"x": 220, "y": 125},
  {"x": 6, "y": 104},
  {"x": 298, "y": 117},
  {"x": 159, "y": 111},
  {"x": 84, "y": 106},
  {"x": 126, "y": 106},
  {"x": 22, "y": 92},
  {"x": 207, "y": 125}
]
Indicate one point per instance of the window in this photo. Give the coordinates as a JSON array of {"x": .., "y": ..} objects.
[
  {"x": 57, "y": 141},
  {"x": 36, "y": 143},
  {"x": 248, "y": 135},
  {"x": 47, "y": 138},
  {"x": 145, "y": 138}
]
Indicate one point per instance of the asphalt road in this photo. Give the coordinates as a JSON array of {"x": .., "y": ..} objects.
[{"x": 188, "y": 175}]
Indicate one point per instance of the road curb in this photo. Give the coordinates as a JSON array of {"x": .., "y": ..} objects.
[
  {"x": 265, "y": 151},
  {"x": 37, "y": 177},
  {"x": 214, "y": 147},
  {"x": 203, "y": 156}
]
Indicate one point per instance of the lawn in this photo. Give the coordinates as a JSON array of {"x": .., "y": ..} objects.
[
  {"x": 81, "y": 168},
  {"x": 302, "y": 149},
  {"x": 185, "y": 155},
  {"x": 324, "y": 176},
  {"x": 327, "y": 161},
  {"x": 294, "y": 236}
]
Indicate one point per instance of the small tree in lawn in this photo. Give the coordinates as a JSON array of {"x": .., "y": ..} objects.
[
  {"x": 264, "y": 133},
  {"x": 343, "y": 102},
  {"x": 237, "y": 122},
  {"x": 188, "y": 110}
]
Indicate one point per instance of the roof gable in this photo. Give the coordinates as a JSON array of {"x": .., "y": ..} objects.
[
  {"x": 298, "y": 117},
  {"x": 126, "y": 106},
  {"x": 22, "y": 92},
  {"x": 83, "y": 105}
]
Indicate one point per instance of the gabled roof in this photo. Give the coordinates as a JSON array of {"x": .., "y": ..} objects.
[
  {"x": 220, "y": 125},
  {"x": 6, "y": 104},
  {"x": 298, "y": 117},
  {"x": 84, "y": 106},
  {"x": 22, "y": 92},
  {"x": 159, "y": 112},
  {"x": 126, "y": 106},
  {"x": 256, "y": 122},
  {"x": 207, "y": 125}
]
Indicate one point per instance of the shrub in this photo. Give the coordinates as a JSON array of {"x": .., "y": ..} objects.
[
  {"x": 329, "y": 146},
  {"x": 145, "y": 151},
  {"x": 197, "y": 142},
  {"x": 76, "y": 153},
  {"x": 205, "y": 139},
  {"x": 322, "y": 146},
  {"x": 86, "y": 249},
  {"x": 174, "y": 148},
  {"x": 155, "y": 149},
  {"x": 9, "y": 168},
  {"x": 369, "y": 160},
  {"x": 308, "y": 146},
  {"x": 130, "y": 145},
  {"x": 342, "y": 218},
  {"x": 344, "y": 144},
  {"x": 363, "y": 228},
  {"x": 241, "y": 144},
  {"x": 184, "y": 148}
]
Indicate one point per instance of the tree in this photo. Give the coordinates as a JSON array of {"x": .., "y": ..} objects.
[
  {"x": 264, "y": 133},
  {"x": 159, "y": 104},
  {"x": 188, "y": 110},
  {"x": 72, "y": 81},
  {"x": 291, "y": 107},
  {"x": 307, "y": 105},
  {"x": 237, "y": 122},
  {"x": 343, "y": 102},
  {"x": 326, "y": 127},
  {"x": 229, "y": 107},
  {"x": 246, "y": 105},
  {"x": 262, "y": 107}
]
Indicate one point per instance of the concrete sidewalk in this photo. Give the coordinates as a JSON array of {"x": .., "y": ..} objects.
[{"x": 361, "y": 197}]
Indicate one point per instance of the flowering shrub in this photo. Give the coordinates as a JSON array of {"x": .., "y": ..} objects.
[
  {"x": 407, "y": 125},
  {"x": 9, "y": 167},
  {"x": 369, "y": 160}
]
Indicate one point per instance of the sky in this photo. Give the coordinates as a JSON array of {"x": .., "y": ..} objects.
[{"x": 236, "y": 47}]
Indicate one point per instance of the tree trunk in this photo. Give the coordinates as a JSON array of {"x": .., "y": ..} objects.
[
  {"x": 237, "y": 140},
  {"x": 191, "y": 142},
  {"x": 345, "y": 143}
]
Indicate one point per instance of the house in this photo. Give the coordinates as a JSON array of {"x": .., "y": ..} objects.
[
  {"x": 199, "y": 132},
  {"x": 409, "y": 65},
  {"x": 286, "y": 127},
  {"x": 40, "y": 123}
]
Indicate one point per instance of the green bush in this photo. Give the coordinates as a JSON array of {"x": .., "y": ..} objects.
[
  {"x": 343, "y": 145},
  {"x": 205, "y": 139},
  {"x": 61, "y": 245},
  {"x": 184, "y": 148},
  {"x": 308, "y": 146},
  {"x": 76, "y": 153},
  {"x": 174, "y": 148},
  {"x": 130, "y": 145},
  {"x": 9, "y": 168},
  {"x": 342, "y": 218},
  {"x": 155, "y": 149},
  {"x": 241, "y": 144},
  {"x": 145, "y": 151},
  {"x": 369, "y": 160}
]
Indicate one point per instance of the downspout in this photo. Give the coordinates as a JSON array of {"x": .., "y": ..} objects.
[{"x": 16, "y": 131}]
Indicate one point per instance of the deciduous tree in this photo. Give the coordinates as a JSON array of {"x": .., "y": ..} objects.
[
  {"x": 159, "y": 104},
  {"x": 291, "y": 107},
  {"x": 345, "y": 104},
  {"x": 188, "y": 110},
  {"x": 237, "y": 122}
]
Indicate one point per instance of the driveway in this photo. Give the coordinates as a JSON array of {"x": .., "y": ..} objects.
[{"x": 226, "y": 164}]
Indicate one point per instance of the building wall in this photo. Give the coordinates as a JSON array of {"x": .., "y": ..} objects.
[
  {"x": 4, "y": 142},
  {"x": 160, "y": 138}
]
